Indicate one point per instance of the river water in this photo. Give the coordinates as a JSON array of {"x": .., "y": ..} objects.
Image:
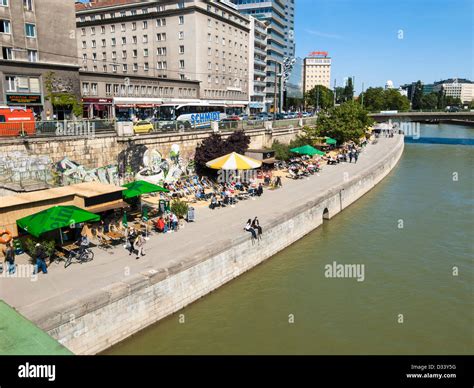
[{"x": 411, "y": 232}]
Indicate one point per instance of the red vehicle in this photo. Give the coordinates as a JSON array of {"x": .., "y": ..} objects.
[{"x": 16, "y": 121}]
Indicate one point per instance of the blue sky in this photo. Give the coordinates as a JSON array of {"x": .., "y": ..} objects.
[{"x": 362, "y": 37}]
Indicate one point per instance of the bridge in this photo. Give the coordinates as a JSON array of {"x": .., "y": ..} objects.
[{"x": 467, "y": 116}]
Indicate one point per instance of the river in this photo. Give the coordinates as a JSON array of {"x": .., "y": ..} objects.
[{"x": 413, "y": 233}]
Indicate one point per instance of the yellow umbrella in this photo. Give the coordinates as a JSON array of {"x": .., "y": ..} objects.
[{"x": 234, "y": 161}]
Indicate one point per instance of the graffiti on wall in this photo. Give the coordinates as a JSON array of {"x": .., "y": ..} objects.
[
  {"x": 19, "y": 168},
  {"x": 71, "y": 172}
]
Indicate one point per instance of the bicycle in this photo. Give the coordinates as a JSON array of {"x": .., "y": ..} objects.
[{"x": 84, "y": 257}]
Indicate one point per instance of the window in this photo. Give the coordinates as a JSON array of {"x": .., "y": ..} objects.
[
  {"x": 181, "y": 20},
  {"x": 108, "y": 89},
  {"x": 161, "y": 8},
  {"x": 124, "y": 54},
  {"x": 4, "y": 3},
  {"x": 114, "y": 68},
  {"x": 92, "y": 30},
  {"x": 145, "y": 38},
  {"x": 112, "y": 28},
  {"x": 133, "y": 12},
  {"x": 181, "y": 49},
  {"x": 83, "y": 31},
  {"x": 124, "y": 40},
  {"x": 145, "y": 52},
  {"x": 116, "y": 89},
  {"x": 85, "y": 88},
  {"x": 104, "y": 68},
  {"x": 94, "y": 56},
  {"x": 5, "y": 26},
  {"x": 145, "y": 66},
  {"x": 124, "y": 67},
  {"x": 93, "y": 89},
  {"x": 181, "y": 4},
  {"x": 209, "y": 22},
  {"x": 113, "y": 42},
  {"x": 84, "y": 44},
  {"x": 10, "y": 83},
  {"x": 104, "y": 56},
  {"x": 181, "y": 35},
  {"x": 122, "y": 27},
  {"x": 160, "y": 22},
  {"x": 209, "y": 79},
  {"x": 182, "y": 77},
  {"x": 102, "y": 29},
  {"x": 123, "y": 90},
  {"x": 123, "y": 13},
  {"x": 93, "y": 44},
  {"x": 134, "y": 39},
  {"x": 135, "y": 53},
  {"x": 134, "y": 26},
  {"x": 161, "y": 36},
  {"x": 145, "y": 24},
  {"x": 30, "y": 30},
  {"x": 209, "y": 66},
  {"x": 135, "y": 67},
  {"x": 209, "y": 51},
  {"x": 181, "y": 64},
  {"x": 28, "y": 5},
  {"x": 114, "y": 55},
  {"x": 144, "y": 10}
]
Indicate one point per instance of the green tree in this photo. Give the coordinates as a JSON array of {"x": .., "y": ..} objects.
[
  {"x": 393, "y": 100},
  {"x": 340, "y": 95},
  {"x": 320, "y": 96},
  {"x": 429, "y": 101},
  {"x": 349, "y": 90},
  {"x": 417, "y": 96},
  {"x": 346, "y": 122},
  {"x": 374, "y": 99}
]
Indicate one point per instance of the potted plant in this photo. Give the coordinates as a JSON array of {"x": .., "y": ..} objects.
[{"x": 180, "y": 208}]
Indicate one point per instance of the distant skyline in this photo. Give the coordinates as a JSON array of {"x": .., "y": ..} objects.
[{"x": 401, "y": 41}]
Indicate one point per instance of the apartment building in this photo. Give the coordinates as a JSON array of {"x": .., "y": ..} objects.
[
  {"x": 38, "y": 55},
  {"x": 258, "y": 66},
  {"x": 199, "y": 47},
  {"x": 317, "y": 70},
  {"x": 456, "y": 87}
]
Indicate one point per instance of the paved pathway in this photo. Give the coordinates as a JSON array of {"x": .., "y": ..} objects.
[{"x": 212, "y": 227}]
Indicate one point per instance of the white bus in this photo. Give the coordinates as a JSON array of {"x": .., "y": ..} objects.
[{"x": 195, "y": 115}]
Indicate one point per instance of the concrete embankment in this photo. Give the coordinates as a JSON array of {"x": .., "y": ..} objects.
[{"x": 94, "y": 322}]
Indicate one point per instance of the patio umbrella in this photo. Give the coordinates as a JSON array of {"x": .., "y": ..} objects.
[
  {"x": 307, "y": 150},
  {"x": 331, "y": 141},
  {"x": 234, "y": 161},
  {"x": 137, "y": 188},
  {"x": 54, "y": 218}
]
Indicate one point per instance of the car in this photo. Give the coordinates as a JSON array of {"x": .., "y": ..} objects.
[
  {"x": 231, "y": 118},
  {"x": 452, "y": 109},
  {"x": 143, "y": 127},
  {"x": 243, "y": 116}
]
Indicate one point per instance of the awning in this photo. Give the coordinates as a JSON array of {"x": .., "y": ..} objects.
[
  {"x": 125, "y": 106},
  {"x": 107, "y": 206},
  {"x": 146, "y": 105}
]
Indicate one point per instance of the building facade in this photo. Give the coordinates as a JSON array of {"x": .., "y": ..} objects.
[
  {"x": 316, "y": 70},
  {"x": 258, "y": 66},
  {"x": 279, "y": 16},
  {"x": 179, "y": 44},
  {"x": 457, "y": 88},
  {"x": 38, "y": 63}
]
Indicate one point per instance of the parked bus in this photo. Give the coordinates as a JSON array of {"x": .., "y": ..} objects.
[
  {"x": 16, "y": 121},
  {"x": 194, "y": 115}
]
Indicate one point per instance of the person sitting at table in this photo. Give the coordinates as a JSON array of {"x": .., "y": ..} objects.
[
  {"x": 161, "y": 226},
  {"x": 213, "y": 204},
  {"x": 260, "y": 189}
]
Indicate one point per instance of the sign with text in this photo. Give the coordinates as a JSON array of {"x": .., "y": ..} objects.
[{"x": 23, "y": 99}]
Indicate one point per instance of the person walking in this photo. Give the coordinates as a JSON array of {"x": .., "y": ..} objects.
[
  {"x": 350, "y": 156},
  {"x": 9, "y": 254},
  {"x": 131, "y": 236},
  {"x": 139, "y": 245},
  {"x": 40, "y": 259},
  {"x": 356, "y": 156}
]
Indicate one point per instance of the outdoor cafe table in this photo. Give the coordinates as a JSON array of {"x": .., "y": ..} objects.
[
  {"x": 114, "y": 235},
  {"x": 68, "y": 247}
]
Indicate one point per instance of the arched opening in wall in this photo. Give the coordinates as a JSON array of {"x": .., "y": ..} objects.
[{"x": 326, "y": 214}]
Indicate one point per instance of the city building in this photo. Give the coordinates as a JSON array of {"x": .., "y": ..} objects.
[
  {"x": 161, "y": 46},
  {"x": 317, "y": 70},
  {"x": 294, "y": 85},
  {"x": 389, "y": 85},
  {"x": 257, "y": 66},
  {"x": 279, "y": 16},
  {"x": 39, "y": 56},
  {"x": 456, "y": 87}
]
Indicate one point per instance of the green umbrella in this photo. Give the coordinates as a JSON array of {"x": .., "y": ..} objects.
[
  {"x": 54, "y": 218},
  {"x": 307, "y": 150},
  {"x": 138, "y": 188},
  {"x": 331, "y": 141}
]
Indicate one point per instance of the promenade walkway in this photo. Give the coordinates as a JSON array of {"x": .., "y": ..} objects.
[{"x": 212, "y": 227}]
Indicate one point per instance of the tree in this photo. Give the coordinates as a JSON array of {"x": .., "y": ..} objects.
[
  {"x": 417, "y": 96},
  {"x": 320, "y": 96},
  {"x": 61, "y": 99},
  {"x": 346, "y": 122},
  {"x": 374, "y": 99},
  {"x": 214, "y": 146},
  {"x": 429, "y": 101},
  {"x": 395, "y": 101},
  {"x": 339, "y": 95},
  {"x": 349, "y": 90},
  {"x": 282, "y": 151}
]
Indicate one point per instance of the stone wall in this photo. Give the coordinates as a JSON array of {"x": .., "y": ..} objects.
[
  {"x": 122, "y": 309},
  {"x": 103, "y": 149}
]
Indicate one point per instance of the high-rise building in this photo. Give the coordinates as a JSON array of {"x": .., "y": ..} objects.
[
  {"x": 257, "y": 65},
  {"x": 178, "y": 49},
  {"x": 317, "y": 70},
  {"x": 38, "y": 55},
  {"x": 279, "y": 16}
]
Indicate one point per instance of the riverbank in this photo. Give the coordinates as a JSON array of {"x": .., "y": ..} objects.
[{"x": 88, "y": 308}]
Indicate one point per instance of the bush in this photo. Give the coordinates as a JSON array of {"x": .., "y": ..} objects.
[
  {"x": 282, "y": 151},
  {"x": 180, "y": 208},
  {"x": 29, "y": 244}
]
